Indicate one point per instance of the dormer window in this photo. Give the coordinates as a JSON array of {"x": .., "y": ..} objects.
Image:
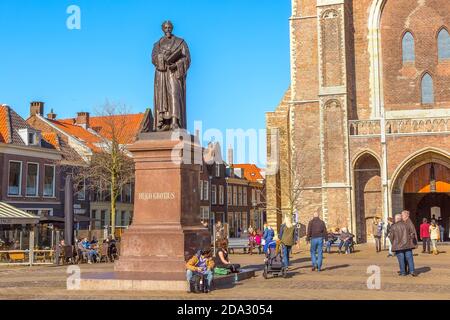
[{"x": 30, "y": 137}]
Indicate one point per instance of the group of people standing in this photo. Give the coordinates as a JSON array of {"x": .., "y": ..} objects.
[{"x": 431, "y": 234}]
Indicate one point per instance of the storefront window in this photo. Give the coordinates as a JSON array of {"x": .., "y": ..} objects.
[
  {"x": 15, "y": 178},
  {"x": 32, "y": 179},
  {"x": 49, "y": 181}
]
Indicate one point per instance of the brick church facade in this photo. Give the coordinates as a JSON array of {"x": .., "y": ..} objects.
[{"x": 364, "y": 130}]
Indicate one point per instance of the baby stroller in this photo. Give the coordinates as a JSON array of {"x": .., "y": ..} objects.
[{"x": 273, "y": 262}]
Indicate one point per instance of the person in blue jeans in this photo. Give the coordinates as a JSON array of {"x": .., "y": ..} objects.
[
  {"x": 201, "y": 263},
  {"x": 288, "y": 238},
  {"x": 402, "y": 240},
  {"x": 316, "y": 235},
  {"x": 346, "y": 239}
]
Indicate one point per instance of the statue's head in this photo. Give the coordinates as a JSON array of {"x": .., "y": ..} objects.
[{"x": 167, "y": 28}]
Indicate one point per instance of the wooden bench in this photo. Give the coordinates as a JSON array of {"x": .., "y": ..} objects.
[
  {"x": 238, "y": 243},
  {"x": 336, "y": 245}
]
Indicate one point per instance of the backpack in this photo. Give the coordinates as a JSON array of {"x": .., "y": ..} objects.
[{"x": 198, "y": 284}]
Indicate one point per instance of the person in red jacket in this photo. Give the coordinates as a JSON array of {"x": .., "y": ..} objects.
[{"x": 425, "y": 236}]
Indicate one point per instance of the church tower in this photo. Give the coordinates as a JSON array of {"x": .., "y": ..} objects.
[{"x": 312, "y": 120}]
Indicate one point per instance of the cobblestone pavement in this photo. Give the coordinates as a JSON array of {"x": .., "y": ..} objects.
[{"x": 343, "y": 277}]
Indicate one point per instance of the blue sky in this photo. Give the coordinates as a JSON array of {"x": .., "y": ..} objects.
[{"x": 240, "y": 52}]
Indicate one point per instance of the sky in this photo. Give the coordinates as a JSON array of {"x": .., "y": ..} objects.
[{"x": 239, "y": 48}]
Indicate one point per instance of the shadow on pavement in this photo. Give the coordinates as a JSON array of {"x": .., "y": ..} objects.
[
  {"x": 423, "y": 270},
  {"x": 342, "y": 266}
]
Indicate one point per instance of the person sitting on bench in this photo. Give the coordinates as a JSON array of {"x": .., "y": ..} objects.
[
  {"x": 333, "y": 236},
  {"x": 222, "y": 260},
  {"x": 201, "y": 264},
  {"x": 346, "y": 239}
]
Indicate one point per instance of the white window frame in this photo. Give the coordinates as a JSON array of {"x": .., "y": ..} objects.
[
  {"x": 213, "y": 194},
  {"x": 20, "y": 178},
  {"x": 206, "y": 188},
  {"x": 37, "y": 181},
  {"x": 229, "y": 195},
  {"x": 201, "y": 190},
  {"x": 221, "y": 195},
  {"x": 54, "y": 181},
  {"x": 217, "y": 170}
]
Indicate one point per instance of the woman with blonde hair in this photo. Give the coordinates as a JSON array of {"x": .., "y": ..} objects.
[{"x": 435, "y": 236}]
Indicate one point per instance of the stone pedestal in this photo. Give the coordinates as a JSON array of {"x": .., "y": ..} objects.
[{"x": 166, "y": 228}]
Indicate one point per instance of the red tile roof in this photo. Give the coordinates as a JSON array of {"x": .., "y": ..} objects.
[
  {"x": 68, "y": 126},
  {"x": 251, "y": 172},
  {"x": 125, "y": 127},
  {"x": 52, "y": 138},
  {"x": 4, "y": 124}
]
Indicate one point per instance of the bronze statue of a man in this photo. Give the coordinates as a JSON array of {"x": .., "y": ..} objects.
[{"x": 172, "y": 60}]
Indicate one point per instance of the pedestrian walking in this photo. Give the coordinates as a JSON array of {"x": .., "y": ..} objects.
[
  {"x": 287, "y": 236},
  {"x": 316, "y": 235},
  {"x": 425, "y": 235},
  {"x": 403, "y": 245},
  {"x": 413, "y": 235},
  {"x": 267, "y": 237},
  {"x": 377, "y": 231},
  {"x": 435, "y": 235}
]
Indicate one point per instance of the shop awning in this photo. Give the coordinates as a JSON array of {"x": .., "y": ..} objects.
[{"x": 11, "y": 215}]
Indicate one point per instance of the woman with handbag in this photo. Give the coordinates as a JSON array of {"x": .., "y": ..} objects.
[{"x": 222, "y": 260}]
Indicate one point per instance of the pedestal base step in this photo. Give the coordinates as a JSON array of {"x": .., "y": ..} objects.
[{"x": 151, "y": 282}]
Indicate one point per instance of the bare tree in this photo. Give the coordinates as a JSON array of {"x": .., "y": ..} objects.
[
  {"x": 110, "y": 168},
  {"x": 289, "y": 193}
]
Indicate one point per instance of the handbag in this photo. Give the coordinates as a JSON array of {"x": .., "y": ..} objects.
[{"x": 221, "y": 271}]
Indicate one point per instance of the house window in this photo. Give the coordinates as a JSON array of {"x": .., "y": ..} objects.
[
  {"x": 94, "y": 216},
  {"x": 127, "y": 193},
  {"x": 205, "y": 190},
  {"x": 201, "y": 190},
  {"x": 15, "y": 178},
  {"x": 427, "y": 89},
  {"x": 221, "y": 195},
  {"x": 408, "y": 48},
  {"x": 240, "y": 196},
  {"x": 217, "y": 170},
  {"x": 49, "y": 181},
  {"x": 204, "y": 213},
  {"x": 123, "y": 219},
  {"x": 214, "y": 194},
  {"x": 245, "y": 197},
  {"x": 81, "y": 190},
  {"x": 444, "y": 44},
  {"x": 235, "y": 198},
  {"x": 229, "y": 195},
  {"x": 253, "y": 197},
  {"x": 32, "y": 179},
  {"x": 103, "y": 218}
]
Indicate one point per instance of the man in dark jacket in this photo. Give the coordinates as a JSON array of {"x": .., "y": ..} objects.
[
  {"x": 316, "y": 235},
  {"x": 403, "y": 244}
]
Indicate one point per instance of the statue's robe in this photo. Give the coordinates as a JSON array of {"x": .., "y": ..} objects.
[{"x": 170, "y": 86}]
